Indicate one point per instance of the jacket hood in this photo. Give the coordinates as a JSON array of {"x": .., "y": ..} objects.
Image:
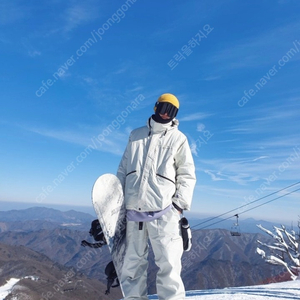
[{"x": 156, "y": 127}]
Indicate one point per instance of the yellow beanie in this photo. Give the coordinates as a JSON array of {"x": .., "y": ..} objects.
[{"x": 170, "y": 98}]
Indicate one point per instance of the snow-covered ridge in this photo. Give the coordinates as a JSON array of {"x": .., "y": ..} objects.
[{"x": 6, "y": 289}]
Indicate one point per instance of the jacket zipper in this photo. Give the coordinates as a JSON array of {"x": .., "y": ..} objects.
[{"x": 165, "y": 178}]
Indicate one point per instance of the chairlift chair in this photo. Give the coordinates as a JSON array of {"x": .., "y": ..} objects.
[{"x": 235, "y": 229}]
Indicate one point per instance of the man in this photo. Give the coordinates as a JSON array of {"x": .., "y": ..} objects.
[{"x": 158, "y": 177}]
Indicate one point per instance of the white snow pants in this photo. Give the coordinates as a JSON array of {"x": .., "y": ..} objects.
[{"x": 165, "y": 237}]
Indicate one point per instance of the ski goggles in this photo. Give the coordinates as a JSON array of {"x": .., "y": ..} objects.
[{"x": 166, "y": 108}]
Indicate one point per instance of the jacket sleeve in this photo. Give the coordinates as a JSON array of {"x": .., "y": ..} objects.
[{"x": 185, "y": 176}]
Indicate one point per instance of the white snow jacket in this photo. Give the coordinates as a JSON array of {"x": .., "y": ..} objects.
[{"x": 157, "y": 168}]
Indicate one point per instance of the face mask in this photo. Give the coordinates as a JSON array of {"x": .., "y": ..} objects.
[{"x": 157, "y": 118}]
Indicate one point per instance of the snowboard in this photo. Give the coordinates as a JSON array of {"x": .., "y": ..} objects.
[{"x": 108, "y": 201}]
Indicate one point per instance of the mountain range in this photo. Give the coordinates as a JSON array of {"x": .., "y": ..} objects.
[
  {"x": 51, "y": 218},
  {"x": 216, "y": 260},
  {"x": 42, "y": 278}
]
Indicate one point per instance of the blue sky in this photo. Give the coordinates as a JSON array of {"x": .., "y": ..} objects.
[{"x": 77, "y": 76}]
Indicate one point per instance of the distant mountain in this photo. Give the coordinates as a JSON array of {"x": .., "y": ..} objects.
[
  {"x": 63, "y": 246},
  {"x": 36, "y": 218},
  {"x": 47, "y": 279},
  {"x": 31, "y": 225},
  {"x": 45, "y": 214},
  {"x": 219, "y": 260},
  {"x": 214, "y": 254},
  {"x": 9, "y": 205}
]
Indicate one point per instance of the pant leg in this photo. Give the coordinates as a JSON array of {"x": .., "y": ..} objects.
[
  {"x": 134, "y": 272},
  {"x": 165, "y": 237}
]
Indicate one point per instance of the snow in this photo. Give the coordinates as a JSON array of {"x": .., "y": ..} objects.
[
  {"x": 6, "y": 289},
  {"x": 273, "y": 291}
]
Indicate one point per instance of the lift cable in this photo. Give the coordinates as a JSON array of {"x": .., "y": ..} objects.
[
  {"x": 233, "y": 210},
  {"x": 247, "y": 210}
]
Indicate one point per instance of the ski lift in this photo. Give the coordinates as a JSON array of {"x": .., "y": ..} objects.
[{"x": 235, "y": 229}]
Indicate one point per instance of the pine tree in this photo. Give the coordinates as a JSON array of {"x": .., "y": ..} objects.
[{"x": 284, "y": 251}]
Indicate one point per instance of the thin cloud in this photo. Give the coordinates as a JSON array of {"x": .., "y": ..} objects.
[
  {"x": 194, "y": 117},
  {"x": 246, "y": 52},
  {"x": 31, "y": 51},
  {"x": 214, "y": 176},
  {"x": 239, "y": 178},
  {"x": 268, "y": 119},
  {"x": 99, "y": 139},
  {"x": 11, "y": 12},
  {"x": 277, "y": 161},
  {"x": 212, "y": 78},
  {"x": 78, "y": 14},
  {"x": 259, "y": 158}
]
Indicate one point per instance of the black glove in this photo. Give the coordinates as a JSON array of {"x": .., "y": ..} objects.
[{"x": 84, "y": 243}]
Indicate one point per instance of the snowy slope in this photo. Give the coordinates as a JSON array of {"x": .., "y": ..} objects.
[
  {"x": 274, "y": 291},
  {"x": 6, "y": 289}
]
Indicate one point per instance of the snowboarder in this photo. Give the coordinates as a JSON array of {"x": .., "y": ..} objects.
[{"x": 158, "y": 177}]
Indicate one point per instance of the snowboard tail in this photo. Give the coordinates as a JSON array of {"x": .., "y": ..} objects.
[{"x": 108, "y": 201}]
